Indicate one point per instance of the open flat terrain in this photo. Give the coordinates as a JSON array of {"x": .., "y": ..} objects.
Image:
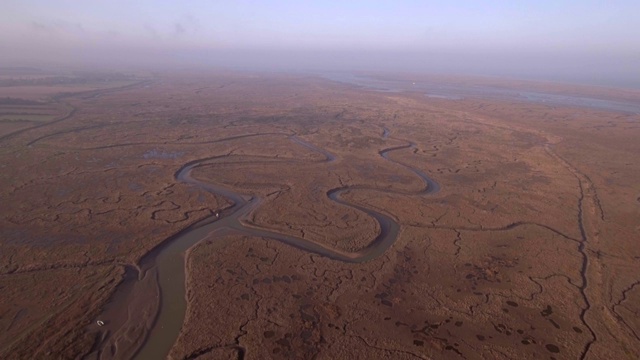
[{"x": 225, "y": 215}]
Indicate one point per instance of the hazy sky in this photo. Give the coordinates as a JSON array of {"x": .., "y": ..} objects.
[{"x": 575, "y": 38}]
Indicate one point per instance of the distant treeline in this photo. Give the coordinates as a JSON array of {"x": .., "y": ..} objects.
[
  {"x": 16, "y": 101},
  {"x": 61, "y": 80},
  {"x": 19, "y": 70}
]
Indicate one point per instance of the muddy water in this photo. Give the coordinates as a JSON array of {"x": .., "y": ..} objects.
[
  {"x": 436, "y": 89},
  {"x": 165, "y": 265}
]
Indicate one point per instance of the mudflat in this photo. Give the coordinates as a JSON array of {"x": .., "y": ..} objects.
[{"x": 226, "y": 215}]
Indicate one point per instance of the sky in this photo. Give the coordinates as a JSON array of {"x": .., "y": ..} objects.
[{"x": 590, "y": 41}]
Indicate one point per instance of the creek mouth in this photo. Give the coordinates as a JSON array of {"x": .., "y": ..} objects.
[{"x": 145, "y": 314}]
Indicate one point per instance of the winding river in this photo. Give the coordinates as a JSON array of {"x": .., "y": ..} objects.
[{"x": 162, "y": 270}]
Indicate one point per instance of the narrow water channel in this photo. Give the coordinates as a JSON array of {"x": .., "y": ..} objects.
[{"x": 165, "y": 265}]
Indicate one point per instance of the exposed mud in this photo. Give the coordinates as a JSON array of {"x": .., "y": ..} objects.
[
  {"x": 305, "y": 227},
  {"x": 165, "y": 264}
]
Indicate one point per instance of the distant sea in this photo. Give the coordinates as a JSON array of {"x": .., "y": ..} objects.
[{"x": 443, "y": 90}]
